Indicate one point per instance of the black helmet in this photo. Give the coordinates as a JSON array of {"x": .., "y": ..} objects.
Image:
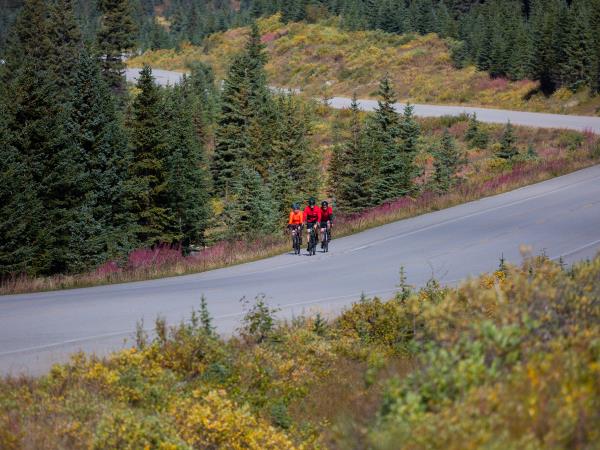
[
  {"x": 312, "y": 201},
  {"x": 295, "y": 206},
  {"x": 324, "y": 203}
]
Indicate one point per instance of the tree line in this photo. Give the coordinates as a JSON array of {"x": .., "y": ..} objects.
[
  {"x": 556, "y": 42},
  {"x": 90, "y": 170}
]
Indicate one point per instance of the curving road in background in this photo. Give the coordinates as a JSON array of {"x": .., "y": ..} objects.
[
  {"x": 561, "y": 215},
  {"x": 529, "y": 119}
]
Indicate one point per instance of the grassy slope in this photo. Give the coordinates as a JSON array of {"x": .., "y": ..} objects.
[
  {"x": 321, "y": 59},
  {"x": 507, "y": 360}
]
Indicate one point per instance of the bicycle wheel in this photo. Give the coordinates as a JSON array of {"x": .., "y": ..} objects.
[
  {"x": 313, "y": 242},
  {"x": 297, "y": 242},
  {"x": 326, "y": 241}
]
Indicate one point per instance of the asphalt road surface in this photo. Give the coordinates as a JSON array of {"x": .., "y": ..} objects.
[
  {"x": 530, "y": 119},
  {"x": 561, "y": 215}
]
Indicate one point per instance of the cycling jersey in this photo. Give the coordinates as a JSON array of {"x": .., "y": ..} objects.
[
  {"x": 326, "y": 214},
  {"x": 296, "y": 218},
  {"x": 312, "y": 215}
]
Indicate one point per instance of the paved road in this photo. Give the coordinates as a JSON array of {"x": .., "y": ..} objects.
[
  {"x": 561, "y": 215},
  {"x": 540, "y": 120}
]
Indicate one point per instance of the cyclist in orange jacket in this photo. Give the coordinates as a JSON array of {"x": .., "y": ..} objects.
[{"x": 296, "y": 220}]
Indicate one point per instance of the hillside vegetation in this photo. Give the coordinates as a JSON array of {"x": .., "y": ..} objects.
[
  {"x": 323, "y": 59},
  {"x": 510, "y": 359},
  {"x": 135, "y": 180}
]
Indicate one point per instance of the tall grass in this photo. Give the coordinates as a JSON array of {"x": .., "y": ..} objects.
[{"x": 163, "y": 261}]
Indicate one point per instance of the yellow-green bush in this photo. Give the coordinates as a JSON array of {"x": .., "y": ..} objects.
[{"x": 510, "y": 359}]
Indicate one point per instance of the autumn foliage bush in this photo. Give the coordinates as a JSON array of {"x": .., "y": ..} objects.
[{"x": 508, "y": 359}]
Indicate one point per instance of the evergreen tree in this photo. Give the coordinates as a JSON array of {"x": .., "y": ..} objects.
[
  {"x": 475, "y": 135},
  {"x": 595, "y": 25},
  {"x": 66, "y": 40},
  {"x": 351, "y": 167},
  {"x": 116, "y": 35},
  {"x": 446, "y": 163},
  {"x": 204, "y": 95},
  {"x": 37, "y": 130},
  {"x": 578, "y": 51},
  {"x": 149, "y": 169},
  {"x": 410, "y": 133},
  {"x": 250, "y": 211},
  {"x": 546, "y": 18},
  {"x": 294, "y": 170},
  {"x": 232, "y": 141},
  {"x": 21, "y": 214},
  {"x": 518, "y": 49},
  {"x": 384, "y": 133},
  {"x": 187, "y": 183},
  {"x": 531, "y": 153},
  {"x": 245, "y": 100},
  {"x": 508, "y": 148},
  {"x": 102, "y": 226}
]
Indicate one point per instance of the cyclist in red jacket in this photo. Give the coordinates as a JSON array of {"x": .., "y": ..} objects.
[
  {"x": 326, "y": 220},
  {"x": 312, "y": 217}
]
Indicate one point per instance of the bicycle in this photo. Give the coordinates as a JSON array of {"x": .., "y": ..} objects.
[
  {"x": 326, "y": 239},
  {"x": 297, "y": 239},
  {"x": 312, "y": 242}
]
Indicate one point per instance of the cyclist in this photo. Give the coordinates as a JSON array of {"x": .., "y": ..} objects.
[
  {"x": 326, "y": 220},
  {"x": 296, "y": 220},
  {"x": 312, "y": 218}
]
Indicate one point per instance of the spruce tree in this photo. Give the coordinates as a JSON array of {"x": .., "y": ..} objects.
[
  {"x": 148, "y": 169},
  {"x": 37, "y": 130},
  {"x": 116, "y": 36},
  {"x": 508, "y": 148},
  {"x": 475, "y": 135},
  {"x": 383, "y": 135},
  {"x": 250, "y": 211},
  {"x": 244, "y": 102},
  {"x": 446, "y": 163},
  {"x": 103, "y": 225},
  {"x": 187, "y": 183},
  {"x": 351, "y": 170},
  {"x": 545, "y": 22},
  {"x": 531, "y": 152},
  {"x": 294, "y": 169},
  {"x": 578, "y": 52},
  {"x": 201, "y": 89},
  {"x": 410, "y": 133},
  {"x": 232, "y": 141},
  {"x": 66, "y": 39},
  {"x": 21, "y": 212}
]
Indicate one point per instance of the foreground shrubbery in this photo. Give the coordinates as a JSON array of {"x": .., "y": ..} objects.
[{"x": 510, "y": 359}]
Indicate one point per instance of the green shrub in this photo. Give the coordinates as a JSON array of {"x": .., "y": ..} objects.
[{"x": 126, "y": 430}]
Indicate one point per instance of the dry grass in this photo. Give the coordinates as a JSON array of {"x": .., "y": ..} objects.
[{"x": 321, "y": 59}]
